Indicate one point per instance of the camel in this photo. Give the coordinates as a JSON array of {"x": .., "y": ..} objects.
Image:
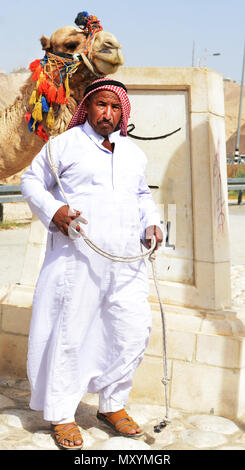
[{"x": 90, "y": 53}]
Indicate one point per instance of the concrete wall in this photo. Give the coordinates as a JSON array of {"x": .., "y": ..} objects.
[{"x": 190, "y": 170}]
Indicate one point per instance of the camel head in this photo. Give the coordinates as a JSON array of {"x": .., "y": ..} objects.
[
  {"x": 74, "y": 57},
  {"x": 102, "y": 55}
]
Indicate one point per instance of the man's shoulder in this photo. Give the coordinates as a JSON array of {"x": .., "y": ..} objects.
[
  {"x": 134, "y": 148},
  {"x": 69, "y": 135}
]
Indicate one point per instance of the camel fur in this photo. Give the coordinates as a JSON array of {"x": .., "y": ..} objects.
[{"x": 18, "y": 145}]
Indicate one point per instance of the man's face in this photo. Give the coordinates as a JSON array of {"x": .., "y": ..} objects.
[{"x": 103, "y": 112}]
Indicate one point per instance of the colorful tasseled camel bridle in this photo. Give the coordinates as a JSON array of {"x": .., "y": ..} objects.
[{"x": 52, "y": 74}]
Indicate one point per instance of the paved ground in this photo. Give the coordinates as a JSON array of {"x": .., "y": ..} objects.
[{"x": 22, "y": 428}]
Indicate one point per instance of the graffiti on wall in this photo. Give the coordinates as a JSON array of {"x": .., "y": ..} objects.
[{"x": 219, "y": 201}]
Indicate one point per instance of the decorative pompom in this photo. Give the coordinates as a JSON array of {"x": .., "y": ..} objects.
[
  {"x": 33, "y": 97},
  {"x": 61, "y": 95},
  {"x": 45, "y": 106},
  {"x": 81, "y": 19},
  {"x": 33, "y": 65},
  {"x": 37, "y": 111},
  {"x": 51, "y": 96},
  {"x": 50, "y": 117}
]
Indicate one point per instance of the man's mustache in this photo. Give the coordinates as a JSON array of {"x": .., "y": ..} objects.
[{"x": 106, "y": 121}]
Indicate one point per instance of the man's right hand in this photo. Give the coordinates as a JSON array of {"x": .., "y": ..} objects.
[{"x": 63, "y": 217}]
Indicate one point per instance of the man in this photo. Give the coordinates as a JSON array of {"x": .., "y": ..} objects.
[{"x": 91, "y": 319}]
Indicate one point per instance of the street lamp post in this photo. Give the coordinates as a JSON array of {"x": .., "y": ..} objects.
[
  {"x": 240, "y": 110},
  {"x": 206, "y": 55}
]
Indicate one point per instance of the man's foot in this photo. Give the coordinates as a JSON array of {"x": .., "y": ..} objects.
[
  {"x": 121, "y": 423},
  {"x": 67, "y": 436}
]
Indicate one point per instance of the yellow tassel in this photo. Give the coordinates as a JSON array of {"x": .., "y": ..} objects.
[
  {"x": 33, "y": 97},
  {"x": 50, "y": 118},
  {"x": 37, "y": 111},
  {"x": 34, "y": 125},
  {"x": 67, "y": 87}
]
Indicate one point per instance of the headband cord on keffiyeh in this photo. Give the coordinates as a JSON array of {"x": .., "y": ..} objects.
[{"x": 116, "y": 87}]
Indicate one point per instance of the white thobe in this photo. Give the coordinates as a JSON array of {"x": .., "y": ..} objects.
[{"x": 91, "y": 319}]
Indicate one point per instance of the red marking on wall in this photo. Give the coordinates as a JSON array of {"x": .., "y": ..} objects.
[{"x": 219, "y": 201}]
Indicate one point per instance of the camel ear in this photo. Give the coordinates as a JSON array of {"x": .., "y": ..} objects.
[{"x": 45, "y": 43}]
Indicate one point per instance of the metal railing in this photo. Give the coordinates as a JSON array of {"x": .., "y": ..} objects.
[
  {"x": 9, "y": 193},
  {"x": 236, "y": 184}
]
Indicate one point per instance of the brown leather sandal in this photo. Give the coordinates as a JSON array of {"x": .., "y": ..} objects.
[
  {"x": 121, "y": 423},
  {"x": 68, "y": 432}
]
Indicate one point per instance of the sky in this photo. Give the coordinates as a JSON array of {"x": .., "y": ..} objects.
[{"x": 155, "y": 33}]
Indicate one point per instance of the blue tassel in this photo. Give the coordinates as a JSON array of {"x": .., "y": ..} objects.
[
  {"x": 30, "y": 124},
  {"x": 45, "y": 106}
]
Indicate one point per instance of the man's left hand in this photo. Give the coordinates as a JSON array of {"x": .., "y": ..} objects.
[{"x": 150, "y": 231}]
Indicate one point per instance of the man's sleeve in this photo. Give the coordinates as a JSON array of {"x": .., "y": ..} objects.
[
  {"x": 149, "y": 214},
  {"x": 36, "y": 184}
]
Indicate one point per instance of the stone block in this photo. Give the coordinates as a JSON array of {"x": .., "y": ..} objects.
[
  {"x": 4, "y": 291},
  {"x": 200, "y": 388},
  {"x": 19, "y": 296},
  {"x": 200, "y": 193},
  {"x": 198, "y": 79},
  {"x": 147, "y": 386},
  {"x": 223, "y": 323},
  {"x": 222, "y": 351},
  {"x": 16, "y": 320},
  {"x": 213, "y": 284},
  {"x": 215, "y": 89},
  {"x": 180, "y": 344},
  {"x": 38, "y": 233},
  {"x": 177, "y": 318},
  {"x": 32, "y": 264},
  {"x": 13, "y": 354},
  {"x": 184, "y": 295},
  {"x": 241, "y": 394}
]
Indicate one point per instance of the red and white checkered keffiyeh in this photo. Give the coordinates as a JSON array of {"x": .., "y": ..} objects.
[{"x": 118, "y": 88}]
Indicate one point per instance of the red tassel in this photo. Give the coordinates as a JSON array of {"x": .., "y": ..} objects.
[
  {"x": 51, "y": 96},
  {"x": 43, "y": 87},
  {"x": 33, "y": 65},
  {"x": 41, "y": 133},
  {"x": 27, "y": 117},
  {"x": 61, "y": 95},
  {"x": 37, "y": 72}
]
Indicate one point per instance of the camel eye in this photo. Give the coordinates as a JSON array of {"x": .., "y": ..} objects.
[
  {"x": 72, "y": 45},
  {"x": 105, "y": 51}
]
